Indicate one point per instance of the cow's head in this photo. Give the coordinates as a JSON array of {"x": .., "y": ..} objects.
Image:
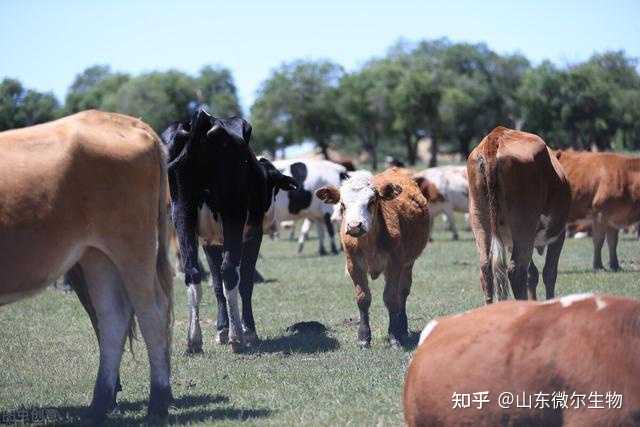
[{"x": 359, "y": 199}]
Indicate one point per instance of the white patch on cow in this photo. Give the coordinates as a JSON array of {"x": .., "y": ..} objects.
[
  {"x": 600, "y": 304},
  {"x": 356, "y": 193},
  {"x": 194, "y": 296},
  {"x": 570, "y": 299},
  {"x": 235, "y": 323},
  {"x": 427, "y": 330},
  {"x": 209, "y": 229}
]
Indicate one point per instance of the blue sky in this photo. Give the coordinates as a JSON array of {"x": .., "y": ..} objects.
[{"x": 46, "y": 43}]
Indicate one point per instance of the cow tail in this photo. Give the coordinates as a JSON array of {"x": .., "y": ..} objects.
[
  {"x": 164, "y": 270},
  {"x": 497, "y": 250}
]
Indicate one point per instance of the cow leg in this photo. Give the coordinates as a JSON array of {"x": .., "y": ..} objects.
[
  {"x": 214, "y": 258},
  {"x": 304, "y": 233},
  {"x": 194, "y": 333},
  {"x": 231, "y": 257},
  {"x": 113, "y": 313},
  {"x": 518, "y": 268},
  {"x": 250, "y": 251},
  {"x": 363, "y": 299},
  {"x": 292, "y": 233},
  {"x": 448, "y": 212},
  {"x": 406, "y": 278},
  {"x": 331, "y": 231},
  {"x": 598, "y": 235},
  {"x": 393, "y": 302},
  {"x": 481, "y": 230},
  {"x": 612, "y": 243},
  {"x": 550, "y": 271},
  {"x": 320, "y": 227},
  {"x": 532, "y": 281}
]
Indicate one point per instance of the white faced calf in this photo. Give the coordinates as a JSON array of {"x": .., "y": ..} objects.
[{"x": 385, "y": 227}]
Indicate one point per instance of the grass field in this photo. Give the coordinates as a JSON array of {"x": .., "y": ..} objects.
[{"x": 49, "y": 356}]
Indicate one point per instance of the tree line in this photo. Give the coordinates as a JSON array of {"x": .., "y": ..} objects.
[{"x": 453, "y": 93}]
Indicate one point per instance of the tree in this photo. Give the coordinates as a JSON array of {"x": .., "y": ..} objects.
[
  {"x": 301, "y": 99},
  {"x": 216, "y": 89},
  {"x": 91, "y": 87},
  {"x": 158, "y": 98},
  {"x": 20, "y": 107}
]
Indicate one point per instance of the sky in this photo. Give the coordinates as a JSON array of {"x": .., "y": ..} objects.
[{"x": 46, "y": 43}]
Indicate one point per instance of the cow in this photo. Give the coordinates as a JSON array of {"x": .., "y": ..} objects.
[
  {"x": 85, "y": 194},
  {"x": 507, "y": 355},
  {"x": 519, "y": 198},
  {"x": 310, "y": 174},
  {"x": 220, "y": 192},
  {"x": 385, "y": 228},
  {"x": 605, "y": 190},
  {"x": 453, "y": 184}
]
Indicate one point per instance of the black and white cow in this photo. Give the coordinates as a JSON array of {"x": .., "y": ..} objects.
[
  {"x": 220, "y": 193},
  {"x": 310, "y": 174}
]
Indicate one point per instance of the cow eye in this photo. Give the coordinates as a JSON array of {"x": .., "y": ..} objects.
[{"x": 342, "y": 207}]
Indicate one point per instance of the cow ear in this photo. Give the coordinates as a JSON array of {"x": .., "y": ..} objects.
[
  {"x": 389, "y": 191},
  {"x": 328, "y": 194},
  {"x": 558, "y": 154},
  {"x": 287, "y": 183},
  {"x": 177, "y": 139}
]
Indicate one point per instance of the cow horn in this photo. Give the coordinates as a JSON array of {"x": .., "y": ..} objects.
[{"x": 214, "y": 129}]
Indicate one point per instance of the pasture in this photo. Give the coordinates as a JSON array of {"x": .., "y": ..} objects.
[{"x": 311, "y": 376}]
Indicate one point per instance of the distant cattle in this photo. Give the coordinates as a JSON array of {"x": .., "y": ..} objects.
[
  {"x": 220, "y": 193},
  {"x": 605, "y": 191},
  {"x": 453, "y": 184},
  {"x": 302, "y": 203},
  {"x": 519, "y": 199},
  {"x": 385, "y": 227},
  {"x": 573, "y": 361},
  {"x": 85, "y": 194}
]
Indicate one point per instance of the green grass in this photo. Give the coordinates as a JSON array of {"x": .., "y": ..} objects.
[{"x": 49, "y": 357}]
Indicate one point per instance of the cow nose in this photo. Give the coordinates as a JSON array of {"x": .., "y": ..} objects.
[{"x": 355, "y": 228}]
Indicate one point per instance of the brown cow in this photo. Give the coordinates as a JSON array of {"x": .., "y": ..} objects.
[
  {"x": 605, "y": 191},
  {"x": 385, "y": 227},
  {"x": 518, "y": 198},
  {"x": 87, "y": 193},
  {"x": 502, "y": 355}
]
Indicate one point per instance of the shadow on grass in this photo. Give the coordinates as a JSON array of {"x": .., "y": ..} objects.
[
  {"x": 301, "y": 337},
  {"x": 77, "y": 415},
  {"x": 411, "y": 342}
]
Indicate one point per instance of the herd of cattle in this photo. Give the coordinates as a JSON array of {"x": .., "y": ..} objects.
[{"x": 98, "y": 196}]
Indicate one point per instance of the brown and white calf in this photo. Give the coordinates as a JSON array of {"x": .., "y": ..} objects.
[
  {"x": 578, "y": 345},
  {"x": 384, "y": 229},
  {"x": 605, "y": 190},
  {"x": 518, "y": 199}
]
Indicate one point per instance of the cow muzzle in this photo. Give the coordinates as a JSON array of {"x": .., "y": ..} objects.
[{"x": 355, "y": 229}]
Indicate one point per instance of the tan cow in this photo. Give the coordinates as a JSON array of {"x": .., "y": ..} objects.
[
  {"x": 87, "y": 193},
  {"x": 518, "y": 198},
  {"x": 605, "y": 191},
  {"x": 573, "y": 361},
  {"x": 385, "y": 227}
]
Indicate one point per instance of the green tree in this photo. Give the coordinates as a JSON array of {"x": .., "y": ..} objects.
[
  {"x": 158, "y": 98},
  {"x": 300, "y": 100},
  {"x": 216, "y": 89},
  {"x": 91, "y": 87},
  {"x": 20, "y": 107}
]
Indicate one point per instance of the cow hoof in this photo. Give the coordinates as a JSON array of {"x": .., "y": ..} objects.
[
  {"x": 322, "y": 252},
  {"x": 193, "y": 349},
  {"x": 222, "y": 336},
  {"x": 237, "y": 346},
  {"x": 615, "y": 268},
  {"x": 300, "y": 249},
  {"x": 250, "y": 338},
  {"x": 456, "y": 237},
  {"x": 395, "y": 343},
  {"x": 364, "y": 343},
  {"x": 334, "y": 251}
]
